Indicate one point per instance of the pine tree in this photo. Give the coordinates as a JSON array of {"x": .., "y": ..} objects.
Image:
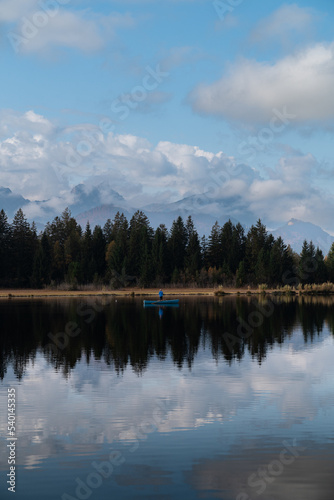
[
  {"x": 177, "y": 244},
  {"x": 117, "y": 250},
  {"x": 260, "y": 271},
  {"x": 280, "y": 261},
  {"x": 307, "y": 263},
  {"x": 86, "y": 260},
  {"x": 108, "y": 231},
  {"x": 42, "y": 263},
  {"x": 320, "y": 275},
  {"x": 238, "y": 247},
  {"x": 204, "y": 251},
  {"x": 64, "y": 235},
  {"x": 214, "y": 252},
  {"x": 140, "y": 242},
  {"x": 5, "y": 242},
  {"x": 330, "y": 264},
  {"x": 257, "y": 240},
  {"x": 98, "y": 250},
  {"x": 227, "y": 247},
  {"x": 72, "y": 248},
  {"x": 58, "y": 262},
  {"x": 193, "y": 257},
  {"x": 160, "y": 257},
  {"x": 146, "y": 269},
  {"x": 24, "y": 243}
]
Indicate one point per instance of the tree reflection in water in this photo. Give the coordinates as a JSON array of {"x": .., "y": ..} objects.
[{"x": 124, "y": 333}]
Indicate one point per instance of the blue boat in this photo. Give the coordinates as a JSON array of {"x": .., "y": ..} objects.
[{"x": 161, "y": 302}]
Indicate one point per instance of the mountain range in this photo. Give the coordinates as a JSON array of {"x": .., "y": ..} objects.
[{"x": 98, "y": 203}]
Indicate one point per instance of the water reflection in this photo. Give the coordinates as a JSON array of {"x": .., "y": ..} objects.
[
  {"x": 122, "y": 332},
  {"x": 194, "y": 410}
]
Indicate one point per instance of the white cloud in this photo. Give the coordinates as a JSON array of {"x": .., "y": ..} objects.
[
  {"x": 230, "y": 391},
  {"x": 41, "y": 161},
  {"x": 67, "y": 29},
  {"x": 284, "y": 21},
  {"x": 35, "y": 29},
  {"x": 13, "y": 10},
  {"x": 301, "y": 83},
  {"x": 179, "y": 56}
]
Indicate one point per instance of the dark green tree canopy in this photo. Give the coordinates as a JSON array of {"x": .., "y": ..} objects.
[{"x": 123, "y": 253}]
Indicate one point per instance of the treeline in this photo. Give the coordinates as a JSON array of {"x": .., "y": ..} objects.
[{"x": 123, "y": 253}]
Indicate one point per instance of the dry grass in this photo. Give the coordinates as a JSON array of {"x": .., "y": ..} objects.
[
  {"x": 321, "y": 289},
  {"x": 128, "y": 292}
]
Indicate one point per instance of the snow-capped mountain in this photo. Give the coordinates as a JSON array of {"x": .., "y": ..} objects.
[
  {"x": 100, "y": 202},
  {"x": 296, "y": 231}
]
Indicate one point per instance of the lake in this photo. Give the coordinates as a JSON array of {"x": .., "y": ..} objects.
[{"x": 229, "y": 398}]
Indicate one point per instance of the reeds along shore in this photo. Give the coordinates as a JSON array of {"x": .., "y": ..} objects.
[{"x": 220, "y": 291}]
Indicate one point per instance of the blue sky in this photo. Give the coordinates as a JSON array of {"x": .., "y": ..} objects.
[{"x": 162, "y": 99}]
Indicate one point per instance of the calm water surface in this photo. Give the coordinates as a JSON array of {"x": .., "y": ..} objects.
[{"x": 229, "y": 398}]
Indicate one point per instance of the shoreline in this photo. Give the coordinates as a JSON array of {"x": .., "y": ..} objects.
[
  {"x": 153, "y": 292},
  {"x": 129, "y": 292}
]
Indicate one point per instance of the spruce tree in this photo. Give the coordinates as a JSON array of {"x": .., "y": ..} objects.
[
  {"x": 160, "y": 257},
  {"x": 98, "y": 251},
  {"x": 214, "y": 251},
  {"x": 258, "y": 240},
  {"x": 23, "y": 246},
  {"x": 42, "y": 263},
  {"x": 330, "y": 264},
  {"x": 5, "y": 242},
  {"x": 140, "y": 242},
  {"x": 193, "y": 257},
  {"x": 177, "y": 245},
  {"x": 307, "y": 263},
  {"x": 280, "y": 261},
  {"x": 117, "y": 250},
  {"x": 238, "y": 246},
  {"x": 108, "y": 231},
  {"x": 320, "y": 275},
  {"x": 86, "y": 258},
  {"x": 227, "y": 248}
]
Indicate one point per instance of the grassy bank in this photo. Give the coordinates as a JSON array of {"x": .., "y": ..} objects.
[
  {"x": 128, "y": 292},
  {"x": 319, "y": 289}
]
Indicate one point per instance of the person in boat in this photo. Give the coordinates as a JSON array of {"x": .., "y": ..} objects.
[{"x": 161, "y": 294}]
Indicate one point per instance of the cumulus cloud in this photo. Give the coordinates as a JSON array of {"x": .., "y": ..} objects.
[
  {"x": 37, "y": 28},
  {"x": 41, "y": 161},
  {"x": 250, "y": 92}
]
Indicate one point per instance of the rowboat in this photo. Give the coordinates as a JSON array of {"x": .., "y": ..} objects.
[{"x": 161, "y": 302}]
